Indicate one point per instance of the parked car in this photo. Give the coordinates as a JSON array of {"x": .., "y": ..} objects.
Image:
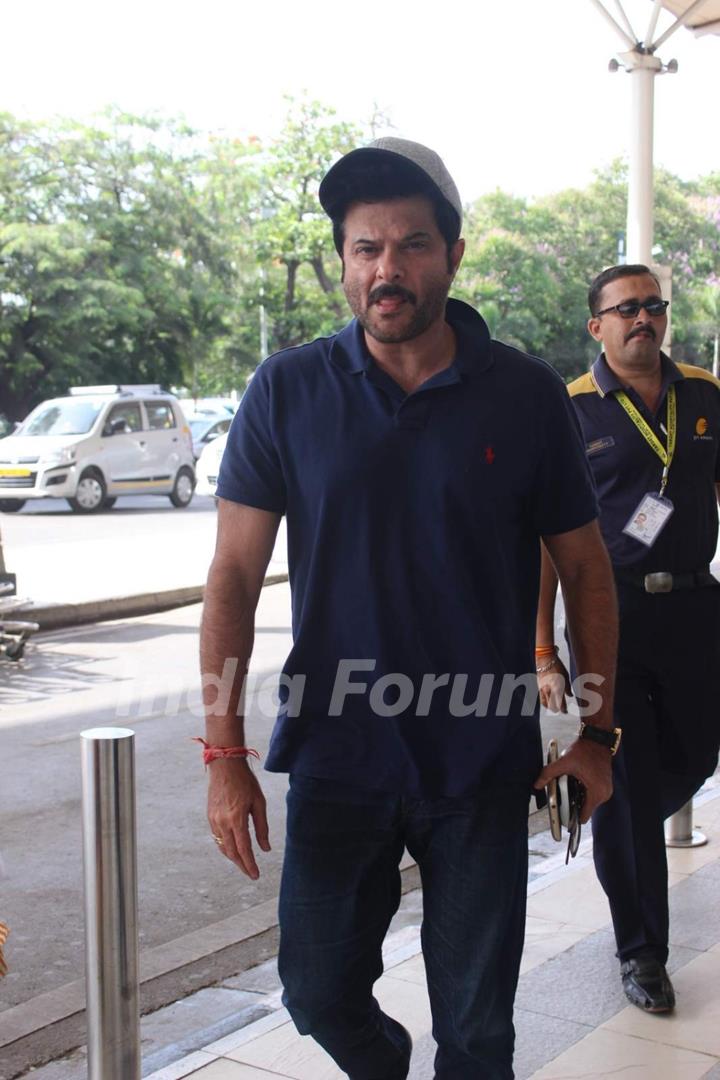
[
  {"x": 204, "y": 429},
  {"x": 209, "y": 406},
  {"x": 208, "y": 466},
  {"x": 96, "y": 444}
]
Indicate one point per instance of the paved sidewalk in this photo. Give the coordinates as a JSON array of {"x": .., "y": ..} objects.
[{"x": 571, "y": 1017}]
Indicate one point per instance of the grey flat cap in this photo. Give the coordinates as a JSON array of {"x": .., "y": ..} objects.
[{"x": 361, "y": 172}]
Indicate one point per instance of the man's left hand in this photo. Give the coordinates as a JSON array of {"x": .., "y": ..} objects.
[
  {"x": 591, "y": 765},
  {"x": 554, "y": 686}
]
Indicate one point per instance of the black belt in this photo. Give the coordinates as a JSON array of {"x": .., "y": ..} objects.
[{"x": 662, "y": 581}]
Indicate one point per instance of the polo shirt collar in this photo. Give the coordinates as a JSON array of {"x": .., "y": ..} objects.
[
  {"x": 350, "y": 353},
  {"x": 607, "y": 381}
]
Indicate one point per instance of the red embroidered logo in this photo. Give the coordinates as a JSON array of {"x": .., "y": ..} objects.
[{"x": 489, "y": 455}]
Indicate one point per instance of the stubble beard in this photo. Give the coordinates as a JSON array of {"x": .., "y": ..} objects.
[{"x": 423, "y": 313}]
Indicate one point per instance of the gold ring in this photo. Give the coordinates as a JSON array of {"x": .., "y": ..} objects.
[{"x": 218, "y": 840}]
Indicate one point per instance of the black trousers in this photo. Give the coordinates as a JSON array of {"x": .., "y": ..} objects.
[{"x": 667, "y": 702}]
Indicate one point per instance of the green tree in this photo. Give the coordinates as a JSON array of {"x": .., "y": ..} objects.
[
  {"x": 529, "y": 263},
  {"x": 137, "y": 250},
  {"x": 293, "y": 236},
  {"x": 108, "y": 270},
  {"x": 262, "y": 198}
]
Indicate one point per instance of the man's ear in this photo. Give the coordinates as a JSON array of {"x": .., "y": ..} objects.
[
  {"x": 455, "y": 256},
  {"x": 593, "y": 326}
]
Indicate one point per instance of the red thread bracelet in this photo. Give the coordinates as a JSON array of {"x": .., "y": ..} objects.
[{"x": 211, "y": 753}]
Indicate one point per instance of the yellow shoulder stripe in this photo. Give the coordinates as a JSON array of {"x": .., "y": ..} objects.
[
  {"x": 690, "y": 371},
  {"x": 583, "y": 385}
]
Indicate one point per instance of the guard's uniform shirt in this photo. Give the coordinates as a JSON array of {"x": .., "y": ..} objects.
[
  {"x": 626, "y": 468},
  {"x": 668, "y": 666},
  {"x": 413, "y": 524}
]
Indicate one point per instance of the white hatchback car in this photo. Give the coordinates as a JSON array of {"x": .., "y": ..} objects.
[
  {"x": 208, "y": 466},
  {"x": 205, "y": 429},
  {"x": 96, "y": 444}
]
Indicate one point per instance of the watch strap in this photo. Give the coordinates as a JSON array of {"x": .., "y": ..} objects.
[{"x": 609, "y": 737}]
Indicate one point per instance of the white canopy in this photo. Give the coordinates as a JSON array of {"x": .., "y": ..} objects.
[
  {"x": 705, "y": 19},
  {"x": 642, "y": 62}
]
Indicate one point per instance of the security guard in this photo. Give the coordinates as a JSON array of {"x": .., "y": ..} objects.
[{"x": 652, "y": 435}]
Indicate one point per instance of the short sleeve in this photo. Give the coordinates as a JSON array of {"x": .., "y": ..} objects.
[
  {"x": 251, "y": 471},
  {"x": 564, "y": 490}
]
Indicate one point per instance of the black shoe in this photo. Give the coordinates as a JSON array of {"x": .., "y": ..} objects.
[
  {"x": 647, "y": 984},
  {"x": 401, "y": 1071}
]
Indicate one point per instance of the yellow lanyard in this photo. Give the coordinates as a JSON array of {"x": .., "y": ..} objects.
[{"x": 649, "y": 435}]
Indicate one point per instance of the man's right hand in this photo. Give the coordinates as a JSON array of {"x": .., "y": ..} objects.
[
  {"x": 235, "y": 796},
  {"x": 554, "y": 687},
  {"x": 591, "y": 765}
]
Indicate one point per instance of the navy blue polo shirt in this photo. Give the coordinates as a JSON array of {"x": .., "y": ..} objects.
[
  {"x": 413, "y": 524},
  {"x": 626, "y": 468}
]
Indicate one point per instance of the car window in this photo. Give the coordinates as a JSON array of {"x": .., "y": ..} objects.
[
  {"x": 198, "y": 428},
  {"x": 63, "y": 416},
  {"x": 127, "y": 411},
  {"x": 160, "y": 415}
]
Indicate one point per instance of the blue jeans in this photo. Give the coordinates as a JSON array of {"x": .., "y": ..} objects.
[{"x": 340, "y": 889}]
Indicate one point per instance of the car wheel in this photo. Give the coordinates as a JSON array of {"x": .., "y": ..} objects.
[
  {"x": 109, "y": 501},
  {"x": 11, "y": 506},
  {"x": 182, "y": 492},
  {"x": 89, "y": 494}
]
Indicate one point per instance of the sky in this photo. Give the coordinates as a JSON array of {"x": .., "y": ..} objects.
[{"x": 514, "y": 94}]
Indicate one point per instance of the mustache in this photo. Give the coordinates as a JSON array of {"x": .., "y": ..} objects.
[
  {"x": 646, "y": 329},
  {"x": 384, "y": 292}
]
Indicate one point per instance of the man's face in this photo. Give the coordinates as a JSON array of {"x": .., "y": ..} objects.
[
  {"x": 630, "y": 343},
  {"x": 396, "y": 269}
]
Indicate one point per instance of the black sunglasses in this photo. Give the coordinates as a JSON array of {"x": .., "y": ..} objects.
[{"x": 629, "y": 308}]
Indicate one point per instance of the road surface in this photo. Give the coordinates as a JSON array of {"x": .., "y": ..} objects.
[
  {"x": 142, "y": 545},
  {"x": 142, "y": 674}
]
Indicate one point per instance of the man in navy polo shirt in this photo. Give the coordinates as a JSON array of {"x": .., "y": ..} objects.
[
  {"x": 652, "y": 434},
  {"x": 418, "y": 463}
]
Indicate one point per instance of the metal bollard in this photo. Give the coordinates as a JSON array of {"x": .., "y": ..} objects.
[
  {"x": 679, "y": 830},
  {"x": 111, "y": 931}
]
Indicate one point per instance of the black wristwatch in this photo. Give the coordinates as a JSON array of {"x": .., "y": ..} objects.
[{"x": 606, "y": 737}]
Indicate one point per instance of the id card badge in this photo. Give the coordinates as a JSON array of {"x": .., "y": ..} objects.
[{"x": 649, "y": 519}]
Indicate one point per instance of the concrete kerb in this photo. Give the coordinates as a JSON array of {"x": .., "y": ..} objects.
[{"x": 59, "y": 616}]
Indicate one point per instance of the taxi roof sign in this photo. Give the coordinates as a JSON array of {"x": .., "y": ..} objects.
[{"x": 144, "y": 388}]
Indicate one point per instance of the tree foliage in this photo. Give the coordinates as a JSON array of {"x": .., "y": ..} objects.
[
  {"x": 529, "y": 263},
  {"x": 108, "y": 268},
  {"x": 136, "y": 249}
]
